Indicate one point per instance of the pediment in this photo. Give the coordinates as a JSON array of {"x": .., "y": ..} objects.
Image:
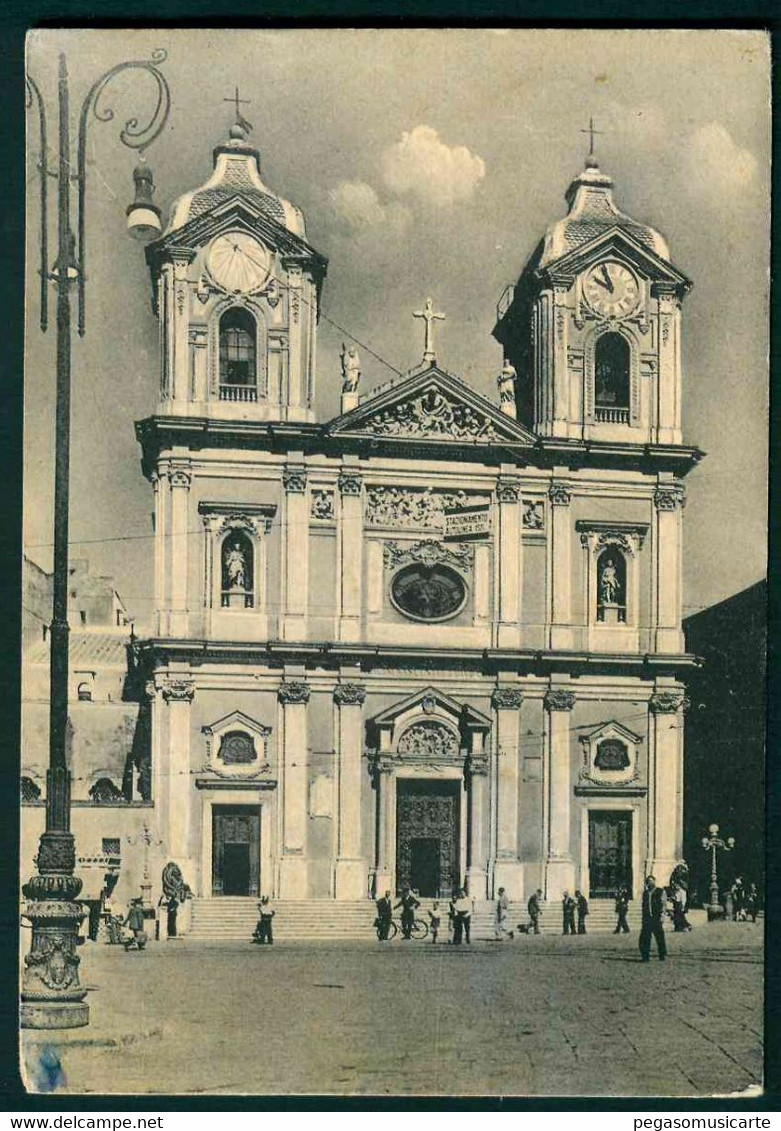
[
  {"x": 620, "y": 244},
  {"x": 610, "y": 729},
  {"x": 238, "y": 720},
  {"x": 430, "y": 407},
  {"x": 431, "y": 701},
  {"x": 236, "y": 214}
]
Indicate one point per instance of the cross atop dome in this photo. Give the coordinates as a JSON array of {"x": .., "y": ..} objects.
[
  {"x": 592, "y": 133},
  {"x": 241, "y": 121}
]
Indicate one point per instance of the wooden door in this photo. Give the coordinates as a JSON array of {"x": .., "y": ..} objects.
[
  {"x": 235, "y": 850},
  {"x": 609, "y": 852}
]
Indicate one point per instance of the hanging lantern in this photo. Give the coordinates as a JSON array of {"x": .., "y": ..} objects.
[{"x": 143, "y": 215}]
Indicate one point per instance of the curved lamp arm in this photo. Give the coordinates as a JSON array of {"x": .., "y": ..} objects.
[
  {"x": 33, "y": 94},
  {"x": 133, "y": 135}
]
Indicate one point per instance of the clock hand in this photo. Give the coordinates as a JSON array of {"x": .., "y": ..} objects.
[{"x": 606, "y": 276}]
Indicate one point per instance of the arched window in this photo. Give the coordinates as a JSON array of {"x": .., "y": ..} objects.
[
  {"x": 238, "y": 571},
  {"x": 238, "y": 350},
  {"x": 611, "y": 586},
  {"x": 612, "y": 362},
  {"x": 84, "y": 692}
]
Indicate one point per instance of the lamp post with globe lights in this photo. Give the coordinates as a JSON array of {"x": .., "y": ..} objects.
[
  {"x": 52, "y": 996},
  {"x": 713, "y": 843}
]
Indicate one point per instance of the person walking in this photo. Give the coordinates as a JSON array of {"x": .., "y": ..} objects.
[
  {"x": 738, "y": 900},
  {"x": 263, "y": 931},
  {"x": 135, "y": 923},
  {"x": 680, "y": 922},
  {"x": 502, "y": 911},
  {"x": 434, "y": 920},
  {"x": 535, "y": 911},
  {"x": 568, "y": 906},
  {"x": 582, "y": 907},
  {"x": 171, "y": 912},
  {"x": 652, "y": 920},
  {"x": 408, "y": 904},
  {"x": 752, "y": 902},
  {"x": 622, "y": 909}
]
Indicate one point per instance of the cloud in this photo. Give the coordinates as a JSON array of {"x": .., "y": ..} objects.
[
  {"x": 421, "y": 165},
  {"x": 717, "y": 167},
  {"x": 358, "y": 207}
]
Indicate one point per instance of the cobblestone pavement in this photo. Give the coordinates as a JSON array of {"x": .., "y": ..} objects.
[{"x": 536, "y": 1016}]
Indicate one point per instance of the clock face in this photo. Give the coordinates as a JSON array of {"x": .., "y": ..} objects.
[
  {"x": 239, "y": 263},
  {"x": 611, "y": 289}
]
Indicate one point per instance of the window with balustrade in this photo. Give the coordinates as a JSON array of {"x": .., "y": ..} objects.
[
  {"x": 612, "y": 370},
  {"x": 238, "y": 355}
]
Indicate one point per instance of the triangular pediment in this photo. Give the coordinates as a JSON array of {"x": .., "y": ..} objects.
[
  {"x": 610, "y": 729},
  {"x": 236, "y": 719},
  {"x": 431, "y": 701},
  {"x": 430, "y": 406},
  {"x": 617, "y": 243},
  {"x": 236, "y": 214}
]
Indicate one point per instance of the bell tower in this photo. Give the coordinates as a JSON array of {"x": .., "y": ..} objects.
[
  {"x": 593, "y": 326},
  {"x": 236, "y": 288}
]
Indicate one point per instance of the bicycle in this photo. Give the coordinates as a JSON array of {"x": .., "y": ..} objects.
[{"x": 419, "y": 929}]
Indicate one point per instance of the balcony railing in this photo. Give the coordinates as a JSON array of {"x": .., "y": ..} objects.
[
  {"x": 245, "y": 393},
  {"x": 612, "y": 415}
]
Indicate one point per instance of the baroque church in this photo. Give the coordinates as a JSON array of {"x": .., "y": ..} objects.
[{"x": 434, "y": 641}]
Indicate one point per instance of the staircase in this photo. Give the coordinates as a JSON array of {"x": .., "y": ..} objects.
[{"x": 231, "y": 918}]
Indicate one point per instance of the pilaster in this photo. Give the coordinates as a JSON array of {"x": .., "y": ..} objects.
[
  {"x": 560, "y": 868},
  {"x": 180, "y": 480},
  {"x": 178, "y": 693},
  {"x": 669, "y": 501},
  {"x": 507, "y": 871},
  {"x": 560, "y": 567},
  {"x": 351, "y": 873},
  {"x": 351, "y": 557},
  {"x": 477, "y": 826},
  {"x": 295, "y": 583},
  {"x": 665, "y": 774},
  {"x": 385, "y": 784},
  {"x": 293, "y": 873},
  {"x": 509, "y": 556}
]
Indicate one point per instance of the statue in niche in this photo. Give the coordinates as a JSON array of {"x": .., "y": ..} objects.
[
  {"x": 506, "y": 382},
  {"x": 235, "y": 565},
  {"x": 351, "y": 369},
  {"x": 533, "y": 516},
  {"x": 609, "y": 583}
]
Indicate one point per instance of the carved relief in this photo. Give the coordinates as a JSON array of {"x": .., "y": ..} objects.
[
  {"x": 322, "y": 506},
  {"x": 507, "y": 698},
  {"x": 428, "y": 741},
  {"x": 533, "y": 514},
  {"x": 428, "y": 553},
  {"x": 559, "y": 495},
  {"x": 667, "y": 702},
  {"x": 178, "y": 690},
  {"x": 508, "y": 491},
  {"x": 349, "y": 694},
  {"x": 294, "y": 480},
  {"x": 350, "y": 482},
  {"x": 556, "y": 700},
  {"x": 669, "y": 498},
  {"x": 414, "y": 507},
  {"x": 433, "y": 414},
  {"x": 294, "y": 691}
]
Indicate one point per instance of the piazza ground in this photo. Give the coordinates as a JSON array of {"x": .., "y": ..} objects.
[{"x": 536, "y": 1016}]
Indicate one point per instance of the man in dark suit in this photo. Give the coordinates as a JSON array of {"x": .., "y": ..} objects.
[{"x": 654, "y": 903}]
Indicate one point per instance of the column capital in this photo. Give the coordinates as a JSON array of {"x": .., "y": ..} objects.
[
  {"x": 506, "y": 698},
  {"x": 559, "y": 495},
  {"x": 178, "y": 690},
  {"x": 294, "y": 691},
  {"x": 350, "y": 482},
  {"x": 294, "y": 480},
  {"x": 556, "y": 700},
  {"x": 150, "y": 689},
  {"x": 669, "y": 498},
  {"x": 349, "y": 694},
  {"x": 667, "y": 702},
  {"x": 508, "y": 490},
  {"x": 476, "y": 767},
  {"x": 180, "y": 476}
]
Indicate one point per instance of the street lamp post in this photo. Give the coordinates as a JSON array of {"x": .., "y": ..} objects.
[
  {"x": 52, "y": 996},
  {"x": 713, "y": 843}
]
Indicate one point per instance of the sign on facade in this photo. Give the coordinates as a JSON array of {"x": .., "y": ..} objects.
[{"x": 467, "y": 524}]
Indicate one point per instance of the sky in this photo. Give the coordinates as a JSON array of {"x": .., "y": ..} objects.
[{"x": 427, "y": 162}]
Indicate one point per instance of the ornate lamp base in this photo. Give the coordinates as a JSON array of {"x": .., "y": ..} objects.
[{"x": 53, "y": 1015}]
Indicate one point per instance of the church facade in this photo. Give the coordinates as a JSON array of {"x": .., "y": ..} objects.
[{"x": 435, "y": 640}]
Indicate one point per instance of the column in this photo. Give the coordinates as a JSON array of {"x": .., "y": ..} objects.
[
  {"x": 509, "y": 554},
  {"x": 561, "y": 379},
  {"x": 477, "y": 798},
  {"x": 295, "y": 583},
  {"x": 560, "y": 566},
  {"x": 385, "y": 784},
  {"x": 293, "y": 879},
  {"x": 559, "y": 869},
  {"x": 160, "y": 535},
  {"x": 180, "y": 478},
  {"x": 668, "y": 533},
  {"x": 173, "y": 772},
  {"x": 508, "y": 871},
  {"x": 351, "y": 865},
  {"x": 665, "y": 780},
  {"x": 668, "y": 405},
  {"x": 351, "y": 563}
]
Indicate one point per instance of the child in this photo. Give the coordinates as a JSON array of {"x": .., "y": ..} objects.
[{"x": 434, "y": 919}]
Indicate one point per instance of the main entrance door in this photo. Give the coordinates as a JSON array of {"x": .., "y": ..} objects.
[
  {"x": 235, "y": 850},
  {"x": 609, "y": 852},
  {"x": 427, "y": 825}
]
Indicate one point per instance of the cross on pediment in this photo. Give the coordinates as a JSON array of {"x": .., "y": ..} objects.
[
  {"x": 592, "y": 133},
  {"x": 431, "y": 316}
]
